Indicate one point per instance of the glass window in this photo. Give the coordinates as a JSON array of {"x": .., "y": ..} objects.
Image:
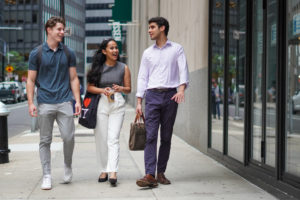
[
  {"x": 28, "y": 36},
  {"x": 34, "y": 17},
  {"x": 292, "y": 165},
  {"x": 257, "y": 65},
  {"x": 236, "y": 82},
  {"x": 20, "y": 36},
  {"x": 13, "y": 17},
  {"x": 217, "y": 79},
  {"x": 271, "y": 69},
  {"x": 28, "y": 17},
  {"x": 20, "y": 17},
  {"x": 12, "y": 36},
  {"x": 35, "y": 36}
]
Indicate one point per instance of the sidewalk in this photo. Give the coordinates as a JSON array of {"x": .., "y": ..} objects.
[{"x": 193, "y": 174}]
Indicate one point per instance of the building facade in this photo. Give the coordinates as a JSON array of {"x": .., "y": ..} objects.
[
  {"x": 248, "y": 53},
  {"x": 98, "y": 14},
  {"x": 31, "y": 16}
]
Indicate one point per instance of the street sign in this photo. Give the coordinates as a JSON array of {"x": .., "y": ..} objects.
[
  {"x": 9, "y": 68},
  {"x": 116, "y": 31},
  {"x": 122, "y": 10}
]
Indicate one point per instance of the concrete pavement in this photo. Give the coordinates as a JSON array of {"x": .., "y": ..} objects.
[{"x": 193, "y": 174}]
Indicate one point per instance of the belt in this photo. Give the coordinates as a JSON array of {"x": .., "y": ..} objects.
[{"x": 162, "y": 89}]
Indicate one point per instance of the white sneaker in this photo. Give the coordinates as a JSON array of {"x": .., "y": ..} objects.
[
  {"x": 68, "y": 175},
  {"x": 46, "y": 185}
]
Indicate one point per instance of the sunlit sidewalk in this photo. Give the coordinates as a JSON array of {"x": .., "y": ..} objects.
[{"x": 193, "y": 174}]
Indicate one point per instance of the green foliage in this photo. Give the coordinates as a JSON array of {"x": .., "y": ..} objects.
[{"x": 17, "y": 61}]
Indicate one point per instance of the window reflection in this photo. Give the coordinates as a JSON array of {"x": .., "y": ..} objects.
[
  {"x": 257, "y": 53},
  {"x": 217, "y": 82},
  {"x": 292, "y": 89},
  {"x": 236, "y": 85}
]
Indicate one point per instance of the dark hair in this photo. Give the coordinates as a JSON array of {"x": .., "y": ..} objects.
[
  {"x": 160, "y": 21},
  {"x": 99, "y": 59},
  {"x": 53, "y": 21}
]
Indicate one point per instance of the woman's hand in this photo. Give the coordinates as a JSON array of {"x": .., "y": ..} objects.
[
  {"x": 117, "y": 88},
  {"x": 107, "y": 91}
]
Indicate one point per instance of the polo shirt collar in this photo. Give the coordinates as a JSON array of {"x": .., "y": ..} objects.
[{"x": 47, "y": 48}]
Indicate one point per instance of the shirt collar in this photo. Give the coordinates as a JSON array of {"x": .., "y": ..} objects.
[
  {"x": 168, "y": 43},
  {"x": 47, "y": 48}
]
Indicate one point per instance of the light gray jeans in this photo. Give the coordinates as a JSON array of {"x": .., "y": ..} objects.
[{"x": 63, "y": 114}]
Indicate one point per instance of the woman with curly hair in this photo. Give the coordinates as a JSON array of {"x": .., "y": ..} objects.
[{"x": 110, "y": 78}]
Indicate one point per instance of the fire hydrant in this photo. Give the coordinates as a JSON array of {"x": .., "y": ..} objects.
[{"x": 4, "y": 112}]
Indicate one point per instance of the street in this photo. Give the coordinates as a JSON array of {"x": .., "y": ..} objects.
[{"x": 18, "y": 120}]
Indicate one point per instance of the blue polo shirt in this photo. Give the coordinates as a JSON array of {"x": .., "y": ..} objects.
[{"x": 53, "y": 75}]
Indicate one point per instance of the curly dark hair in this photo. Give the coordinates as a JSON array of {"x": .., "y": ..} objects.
[{"x": 99, "y": 59}]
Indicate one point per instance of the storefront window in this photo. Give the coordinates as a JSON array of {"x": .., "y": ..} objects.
[
  {"x": 257, "y": 62},
  {"x": 271, "y": 82},
  {"x": 292, "y": 164},
  {"x": 236, "y": 79},
  {"x": 217, "y": 79}
]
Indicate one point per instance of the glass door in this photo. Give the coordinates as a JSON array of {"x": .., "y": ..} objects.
[
  {"x": 292, "y": 133},
  {"x": 236, "y": 78},
  {"x": 264, "y": 68},
  {"x": 217, "y": 77}
]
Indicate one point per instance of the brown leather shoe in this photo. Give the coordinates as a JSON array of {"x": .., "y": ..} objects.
[
  {"x": 147, "y": 181},
  {"x": 162, "y": 179}
]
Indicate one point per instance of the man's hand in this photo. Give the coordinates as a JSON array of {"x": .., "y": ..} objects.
[
  {"x": 32, "y": 110},
  {"x": 77, "y": 108},
  {"x": 138, "y": 109},
  {"x": 178, "y": 97}
]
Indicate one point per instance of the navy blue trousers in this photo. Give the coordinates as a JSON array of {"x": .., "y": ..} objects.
[{"x": 159, "y": 110}]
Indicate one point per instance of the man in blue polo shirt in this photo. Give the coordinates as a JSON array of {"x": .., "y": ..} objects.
[{"x": 54, "y": 74}]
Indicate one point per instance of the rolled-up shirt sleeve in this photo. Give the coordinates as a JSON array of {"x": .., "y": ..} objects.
[
  {"x": 183, "y": 68},
  {"x": 143, "y": 78}
]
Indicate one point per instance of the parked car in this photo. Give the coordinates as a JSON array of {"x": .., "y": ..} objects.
[
  {"x": 11, "y": 92},
  {"x": 24, "y": 90},
  {"x": 296, "y": 102}
]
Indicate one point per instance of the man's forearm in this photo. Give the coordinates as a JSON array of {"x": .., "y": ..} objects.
[
  {"x": 181, "y": 88},
  {"x": 75, "y": 86},
  {"x": 30, "y": 91},
  {"x": 139, "y": 100}
]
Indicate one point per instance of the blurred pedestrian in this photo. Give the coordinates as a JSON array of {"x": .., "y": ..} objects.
[
  {"x": 110, "y": 78},
  {"x": 55, "y": 75},
  {"x": 162, "y": 80},
  {"x": 217, "y": 94}
]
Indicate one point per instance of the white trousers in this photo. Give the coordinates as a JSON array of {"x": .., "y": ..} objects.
[{"x": 107, "y": 132}]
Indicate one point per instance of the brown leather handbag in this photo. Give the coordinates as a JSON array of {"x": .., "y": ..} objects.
[{"x": 137, "y": 138}]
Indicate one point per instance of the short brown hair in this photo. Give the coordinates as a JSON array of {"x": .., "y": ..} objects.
[{"x": 53, "y": 21}]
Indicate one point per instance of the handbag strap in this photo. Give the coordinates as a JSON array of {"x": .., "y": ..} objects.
[{"x": 138, "y": 117}]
